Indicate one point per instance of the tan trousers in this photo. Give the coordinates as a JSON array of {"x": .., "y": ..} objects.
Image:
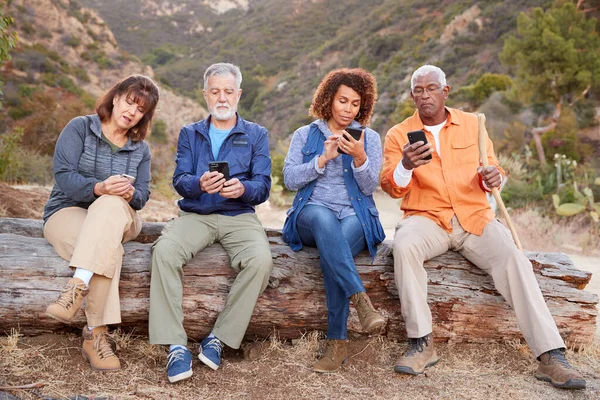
[
  {"x": 92, "y": 239},
  {"x": 419, "y": 239},
  {"x": 243, "y": 238}
]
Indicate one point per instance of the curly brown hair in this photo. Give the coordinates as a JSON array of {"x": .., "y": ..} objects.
[
  {"x": 358, "y": 79},
  {"x": 141, "y": 90}
]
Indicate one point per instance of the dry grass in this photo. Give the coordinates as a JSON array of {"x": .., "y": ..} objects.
[
  {"x": 274, "y": 369},
  {"x": 577, "y": 234}
]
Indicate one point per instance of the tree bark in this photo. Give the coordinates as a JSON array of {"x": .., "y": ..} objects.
[{"x": 463, "y": 300}]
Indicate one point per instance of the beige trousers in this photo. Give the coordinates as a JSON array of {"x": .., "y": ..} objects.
[
  {"x": 92, "y": 239},
  {"x": 418, "y": 239}
]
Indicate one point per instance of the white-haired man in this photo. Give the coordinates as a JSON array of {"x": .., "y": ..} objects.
[
  {"x": 214, "y": 209},
  {"x": 445, "y": 208}
]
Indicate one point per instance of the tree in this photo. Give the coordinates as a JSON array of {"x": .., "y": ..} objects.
[
  {"x": 556, "y": 55},
  {"x": 8, "y": 39}
]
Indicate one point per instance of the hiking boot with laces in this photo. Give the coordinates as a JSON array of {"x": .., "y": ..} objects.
[
  {"x": 421, "y": 354},
  {"x": 210, "y": 352},
  {"x": 69, "y": 301},
  {"x": 555, "y": 369},
  {"x": 368, "y": 317},
  {"x": 336, "y": 354},
  {"x": 98, "y": 349}
]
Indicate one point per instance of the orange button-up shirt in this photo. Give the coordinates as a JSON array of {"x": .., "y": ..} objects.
[{"x": 448, "y": 185}]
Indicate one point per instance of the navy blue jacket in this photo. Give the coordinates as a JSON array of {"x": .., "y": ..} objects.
[{"x": 246, "y": 149}]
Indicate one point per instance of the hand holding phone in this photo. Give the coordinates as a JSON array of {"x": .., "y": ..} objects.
[
  {"x": 220, "y": 166},
  {"x": 418, "y": 136},
  {"x": 414, "y": 156},
  {"x": 355, "y": 133},
  {"x": 129, "y": 177}
]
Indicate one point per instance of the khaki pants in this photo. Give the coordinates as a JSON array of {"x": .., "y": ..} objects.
[
  {"x": 418, "y": 239},
  {"x": 92, "y": 239},
  {"x": 243, "y": 238}
]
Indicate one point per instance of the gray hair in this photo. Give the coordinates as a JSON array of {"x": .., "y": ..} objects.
[
  {"x": 427, "y": 69},
  {"x": 223, "y": 69}
]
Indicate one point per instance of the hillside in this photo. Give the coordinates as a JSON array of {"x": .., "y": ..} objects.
[
  {"x": 69, "y": 52},
  {"x": 285, "y": 47}
]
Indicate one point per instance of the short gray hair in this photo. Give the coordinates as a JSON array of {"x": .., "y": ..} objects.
[
  {"x": 223, "y": 69},
  {"x": 427, "y": 69}
]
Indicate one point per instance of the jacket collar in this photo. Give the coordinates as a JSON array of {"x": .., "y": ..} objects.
[
  {"x": 454, "y": 118},
  {"x": 202, "y": 127},
  {"x": 323, "y": 127},
  {"x": 96, "y": 128}
]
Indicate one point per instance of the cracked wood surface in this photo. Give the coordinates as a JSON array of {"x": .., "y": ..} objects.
[{"x": 464, "y": 303}]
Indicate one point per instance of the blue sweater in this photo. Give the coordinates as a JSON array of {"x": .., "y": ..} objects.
[{"x": 82, "y": 159}]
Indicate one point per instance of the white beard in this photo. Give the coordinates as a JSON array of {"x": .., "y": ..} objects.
[{"x": 223, "y": 115}]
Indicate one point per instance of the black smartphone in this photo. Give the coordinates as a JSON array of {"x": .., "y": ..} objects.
[
  {"x": 220, "y": 166},
  {"x": 355, "y": 133},
  {"x": 418, "y": 136}
]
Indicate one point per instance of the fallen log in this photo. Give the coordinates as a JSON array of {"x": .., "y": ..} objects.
[{"x": 464, "y": 303}]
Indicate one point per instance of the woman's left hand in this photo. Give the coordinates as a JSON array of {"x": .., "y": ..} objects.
[
  {"x": 129, "y": 194},
  {"x": 354, "y": 148}
]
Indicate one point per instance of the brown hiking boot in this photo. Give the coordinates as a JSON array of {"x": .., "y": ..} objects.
[
  {"x": 69, "y": 301},
  {"x": 336, "y": 354},
  {"x": 368, "y": 317},
  {"x": 97, "y": 349},
  {"x": 555, "y": 369},
  {"x": 421, "y": 354}
]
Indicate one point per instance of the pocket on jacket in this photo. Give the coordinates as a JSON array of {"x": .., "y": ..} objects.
[
  {"x": 465, "y": 152},
  {"x": 376, "y": 227}
]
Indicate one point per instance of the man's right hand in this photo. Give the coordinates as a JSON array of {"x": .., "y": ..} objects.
[
  {"x": 212, "y": 182},
  {"x": 414, "y": 154}
]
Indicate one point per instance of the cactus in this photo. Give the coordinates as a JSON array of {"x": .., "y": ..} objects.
[{"x": 585, "y": 202}]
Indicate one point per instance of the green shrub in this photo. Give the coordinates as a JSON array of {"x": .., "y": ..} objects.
[
  {"x": 81, "y": 74},
  {"x": 564, "y": 139},
  {"x": 72, "y": 41},
  {"x": 26, "y": 90},
  {"x": 10, "y": 160},
  {"x": 18, "y": 113},
  {"x": 159, "y": 132},
  {"x": 67, "y": 83}
]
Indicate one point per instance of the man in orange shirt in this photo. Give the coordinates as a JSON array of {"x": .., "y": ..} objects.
[{"x": 445, "y": 208}]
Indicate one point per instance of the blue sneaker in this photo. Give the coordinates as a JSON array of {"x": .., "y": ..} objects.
[
  {"x": 210, "y": 352},
  {"x": 179, "y": 364}
]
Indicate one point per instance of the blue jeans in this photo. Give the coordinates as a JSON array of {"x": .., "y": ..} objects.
[{"x": 338, "y": 242}]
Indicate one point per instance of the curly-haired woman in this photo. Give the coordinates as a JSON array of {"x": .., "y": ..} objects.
[{"x": 334, "y": 209}]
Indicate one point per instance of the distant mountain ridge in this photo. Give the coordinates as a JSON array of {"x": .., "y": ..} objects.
[
  {"x": 80, "y": 40},
  {"x": 285, "y": 47}
]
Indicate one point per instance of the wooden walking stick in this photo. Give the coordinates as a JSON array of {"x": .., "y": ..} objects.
[{"x": 483, "y": 135}]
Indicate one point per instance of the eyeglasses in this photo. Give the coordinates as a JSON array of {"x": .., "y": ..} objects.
[{"x": 418, "y": 91}]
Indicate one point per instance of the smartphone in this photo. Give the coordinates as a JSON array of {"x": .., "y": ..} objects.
[
  {"x": 131, "y": 178},
  {"x": 220, "y": 166},
  {"x": 355, "y": 133},
  {"x": 418, "y": 136}
]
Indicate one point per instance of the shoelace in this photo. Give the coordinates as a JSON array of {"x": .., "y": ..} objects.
[
  {"x": 102, "y": 345},
  {"x": 559, "y": 356},
  {"x": 174, "y": 356},
  {"x": 416, "y": 345},
  {"x": 69, "y": 294},
  {"x": 330, "y": 351},
  {"x": 216, "y": 345}
]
